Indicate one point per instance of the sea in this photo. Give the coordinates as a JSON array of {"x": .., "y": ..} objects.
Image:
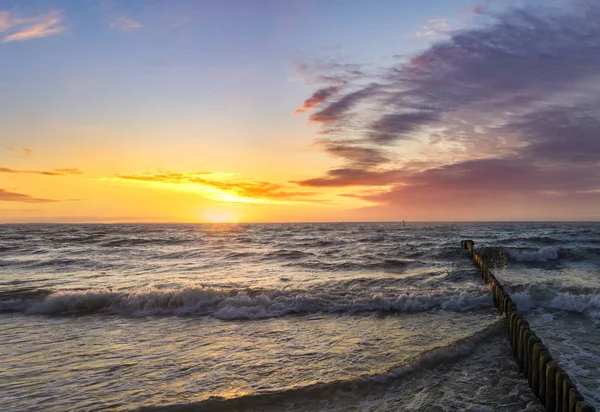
[{"x": 295, "y": 317}]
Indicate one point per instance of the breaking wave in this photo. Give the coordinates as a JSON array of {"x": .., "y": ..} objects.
[
  {"x": 586, "y": 301},
  {"x": 534, "y": 255},
  {"x": 244, "y": 304},
  {"x": 531, "y": 239}
]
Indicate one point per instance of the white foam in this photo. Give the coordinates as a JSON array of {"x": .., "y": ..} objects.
[
  {"x": 540, "y": 255},
  {"x": 230, "y": 304},
  {"x": 588, "y": 304}
]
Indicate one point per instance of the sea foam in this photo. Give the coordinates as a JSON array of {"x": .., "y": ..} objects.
[
  {"x": 535, "y": 297},
  {"x": 232, "y": 304},
  {"x": 540, "y": 255}
]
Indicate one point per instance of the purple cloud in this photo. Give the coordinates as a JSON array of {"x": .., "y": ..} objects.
[
  {"x": 513, "y": 104},
  {"x": 354, "y": 153},
  {"x": 354, "y": 177},
  {"x": 336, "y": 111}
]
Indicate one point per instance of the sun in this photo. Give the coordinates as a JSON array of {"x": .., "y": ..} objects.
[{"x": 219, "y": 216}]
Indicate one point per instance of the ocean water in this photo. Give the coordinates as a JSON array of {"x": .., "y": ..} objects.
[{"x": 302, "y": 317}]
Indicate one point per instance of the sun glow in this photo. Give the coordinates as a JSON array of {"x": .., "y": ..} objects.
[{"x": 219, "y": 216}]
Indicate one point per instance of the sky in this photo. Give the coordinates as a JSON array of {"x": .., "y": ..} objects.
[{"x": 299, "y": 110}]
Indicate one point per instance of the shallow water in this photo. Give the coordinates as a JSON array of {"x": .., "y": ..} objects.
[{"x": 126, "y": 316}]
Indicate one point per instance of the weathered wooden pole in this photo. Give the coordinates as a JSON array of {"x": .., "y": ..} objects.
[
  {"x": 548, "y": 381},
  {"x": 545, "y": 359}
]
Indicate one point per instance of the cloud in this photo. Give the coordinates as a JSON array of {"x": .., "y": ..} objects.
[
  {"x": 68, "y": 171},
  {"x": 489, "y": 181},
  {"x": 317, "y": 98},
  {"x": 330, "y": 71},
  {"x": 6, "y": 196},
  {"x": 510, "y": 106},
  {"x": 55, "y": 172},
  {"x": 434, "y": 27},
  {"x": 390, "y": 127},
  {"x": 481, "y": 8},
  {"x": 221, "y": 186},
  {"x": 336, "y": 111},
  {"x": 124, "y": 23},
  {"x": 477, "y": 9},
  {"x": 22, "y": 151},
  {"x": 17, "y": 28},
  {"x": 354, "y": 177},
  {"x": 355, "y": 154}
]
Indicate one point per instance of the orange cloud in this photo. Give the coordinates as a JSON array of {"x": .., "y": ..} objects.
[
  {"x": 68, "y": 171},
  {"x": 6, "y": 196},
  {"x": 55, "y": 172},
  {"x": 20, "y": 28},
  {"x": 317, "y": 98},
  {"x": 220, "y": 186}
]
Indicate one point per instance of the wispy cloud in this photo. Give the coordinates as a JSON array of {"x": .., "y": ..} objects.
[
  {"x": 330, "y": 71},
  {"x": 353, "y": 153},
  {"x": 125, "y": 23},
  {"x": 55, "y": 172},
  {"x": 354, "y": 177},
  {"x": 19, "y": 28},
  {"x": 510, "y": 107},
  {"x": 224, "y": 187},
  {"x": 483, "y": 7},
  {"x": 21, "y": 151},
  {"x": 318, "y": 97},
  {"x": 6, "y": 196},
  {"x": 434, "y": 27},
  {"x": 68, "y": 171}
]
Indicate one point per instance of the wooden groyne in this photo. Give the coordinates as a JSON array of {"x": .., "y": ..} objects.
[{"x": 547, "y": 379}]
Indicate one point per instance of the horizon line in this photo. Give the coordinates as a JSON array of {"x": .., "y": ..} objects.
[{"x": 297, "y": 222}]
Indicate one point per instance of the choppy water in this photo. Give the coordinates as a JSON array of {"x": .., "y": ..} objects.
[{"x": 288, "y": 316}]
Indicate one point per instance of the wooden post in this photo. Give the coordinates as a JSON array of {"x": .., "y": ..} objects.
[
  {"x": 531, "y": 341},
  {"x": 547, "y": 379},
  {"x": 585, "y": 407},
  {"x": 535, "y": 367},
  {"x": 574, "y": 398},
  {"x": 558, "y": 384},
  {"x": 545, "y": 358},
  {"x": 566, "y": 388},
  {"x": 551, "y": 369}
]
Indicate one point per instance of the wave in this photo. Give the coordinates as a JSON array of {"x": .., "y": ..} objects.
[
  {"x": 320, "y": 243},
  {"x": 387, "y": 265},
  {"x": 534, "y": 255},
  {"x": 7, "y": 248},
  {"x": 372, "y": 239},
  {"x": 499, "y": 256},
  {"x": 585, "y": 301},
  {"x": 287, "y": 254},
  {"x": 531, "y": 239},
  {"x": 182, "y": 254},
  {"x": 239, "y": 255},
  {"x": 428, "y": 360},
  {"x": 133, "y": 241},
  {"x": 244, "y": 304},
  {"x": 448, "y": 252}
]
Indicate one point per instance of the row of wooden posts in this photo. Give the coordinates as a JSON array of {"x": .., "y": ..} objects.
[{"x": 548, "y": 381}]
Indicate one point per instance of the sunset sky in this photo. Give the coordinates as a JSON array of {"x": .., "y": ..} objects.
[{"x": 299, "y": 110}]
